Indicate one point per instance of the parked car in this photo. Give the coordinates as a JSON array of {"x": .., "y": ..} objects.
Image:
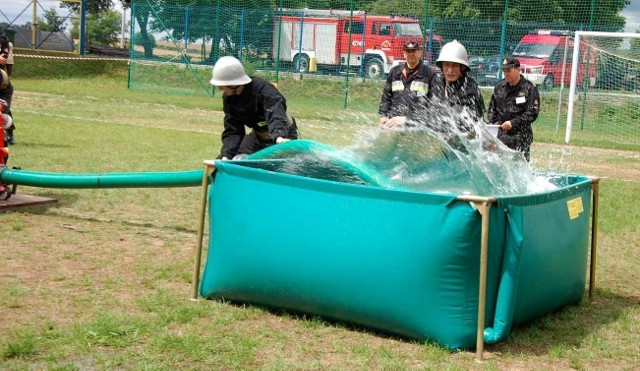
[
  {"x": 632, "y": 80},
  {"x": 475, "y": 61},
  {"x": 474, "y": 64},
  {"x": 485, "y": 72}
]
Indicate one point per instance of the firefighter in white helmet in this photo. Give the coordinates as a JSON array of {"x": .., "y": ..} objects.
[
  {"x": 460, "y": 89},
  {"x": 456, "y": 92},
  {"x": 250, "y": 102}
]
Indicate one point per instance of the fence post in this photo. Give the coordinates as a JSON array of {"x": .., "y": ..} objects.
[
  {"x": 215, "y": 43},
  {"x": 430, "y": 48},
  {"x": 241, "y": 45},
  {"x": 132, "y": 28},
  {"x": 300, "y": 43},
  {"x": 187, "y": 21},
  {"x": 83, "y": 25},
  {"x": 503, "y": 35},
  {"x": 346, "y": 90},
  {"x": 277, "y": 61},
  {"x": 364, "y": 37},
  {"x": 425, "y": 57}
]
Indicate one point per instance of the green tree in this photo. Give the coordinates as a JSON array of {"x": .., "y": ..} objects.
[
  {"x": 51, "y": 21},
  {"x": 94, "y": 6},
  {"x": 102, "y": 28},
  {"x": 218, "y": 22},
  {"x": 142, "y": 12},
  {"x": 211, "y": 21},
  {"x": 605, "y": 12}
]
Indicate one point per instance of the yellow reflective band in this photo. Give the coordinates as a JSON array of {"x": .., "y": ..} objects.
[
  {"x": 419, "y": 87},
  {"x": 397, "y": 86}
]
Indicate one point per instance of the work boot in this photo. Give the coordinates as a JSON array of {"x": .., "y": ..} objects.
[{"x": 9, "y": 137}]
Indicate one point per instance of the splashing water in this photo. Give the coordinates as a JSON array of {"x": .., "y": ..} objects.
[
  {"x": 449, "y": 152},
  {"x": 446, "y": 152}
]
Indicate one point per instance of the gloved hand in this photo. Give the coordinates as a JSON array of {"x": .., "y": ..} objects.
[
  {"x": 281, "y": 140},
  {"x": 224, "y": 158},
  {"x": 240, "y": 156}
]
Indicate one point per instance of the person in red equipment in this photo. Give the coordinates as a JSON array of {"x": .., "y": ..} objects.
[
  {"x": 250, "y": 102},
  {"x": 409, "y": 88}
]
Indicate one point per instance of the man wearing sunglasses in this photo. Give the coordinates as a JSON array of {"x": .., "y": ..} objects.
[{"x": 250, "y": 102}]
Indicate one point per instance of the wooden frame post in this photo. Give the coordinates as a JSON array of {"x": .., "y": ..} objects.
[
  {"x": 595, "y": 183},
  {"x": 209, "y": 168},
  {"x": 483, "y": 204}
]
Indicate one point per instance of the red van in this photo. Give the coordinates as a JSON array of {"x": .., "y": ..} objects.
[{"x": 542, "y": 54}]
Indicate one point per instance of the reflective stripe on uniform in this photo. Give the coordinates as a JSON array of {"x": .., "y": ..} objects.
[
  {"x": 397, "y": 86},
  {"x": 419, "y": 87}
]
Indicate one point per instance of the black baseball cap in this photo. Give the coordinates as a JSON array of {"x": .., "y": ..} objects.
[
  {"x": 411, "y": 45},
  {"x": 510, "y": 62}
]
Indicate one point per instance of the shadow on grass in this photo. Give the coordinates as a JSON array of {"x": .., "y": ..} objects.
[
  {"x": 39, "y": 145},
  {"x": 310, "y": 320},
  {"x": 65, "y": 199},
  {"x": 568, "y": 327}
]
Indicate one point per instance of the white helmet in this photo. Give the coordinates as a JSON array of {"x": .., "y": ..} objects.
[
  {"x": 8, "y": 121},
  {"x": 453, "y": 52},
  {"x": 228, "y": 71}
]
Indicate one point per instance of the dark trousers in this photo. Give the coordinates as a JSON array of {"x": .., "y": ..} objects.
[{"x": 253, "y": 143}]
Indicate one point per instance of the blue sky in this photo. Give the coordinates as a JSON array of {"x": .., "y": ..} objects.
[
  {"x": 632, "y": 13},
  {"x": 23, "y": 10}
]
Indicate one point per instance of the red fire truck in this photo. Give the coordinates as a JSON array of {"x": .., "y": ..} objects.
[
  {"x": 542, "y": 59},
  {"x": 369, "y": 44}
]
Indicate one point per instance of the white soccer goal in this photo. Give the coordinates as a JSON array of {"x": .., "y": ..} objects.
[{"x": 604, "y": 93}]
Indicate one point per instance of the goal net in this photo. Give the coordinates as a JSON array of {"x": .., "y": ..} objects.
[{"x": 604, "y": 104}]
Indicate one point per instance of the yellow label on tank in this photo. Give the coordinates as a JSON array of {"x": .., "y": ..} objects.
[{"x": 574, "y": 206}]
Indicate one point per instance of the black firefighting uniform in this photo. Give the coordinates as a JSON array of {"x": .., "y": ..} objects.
[
  {"x": 519, "y": 104},
  {"x": 464, "y": 92},
  {"x": 260, "y": 107},
  {"x": 407, "y": 90}
]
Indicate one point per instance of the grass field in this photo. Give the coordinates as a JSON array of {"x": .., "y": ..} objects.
[{"x": 102, "y": 279}]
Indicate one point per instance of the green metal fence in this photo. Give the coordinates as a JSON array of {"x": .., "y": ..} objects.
[
  {"x": 282, "y": 40},
  {"x": 340, "y": 52}
]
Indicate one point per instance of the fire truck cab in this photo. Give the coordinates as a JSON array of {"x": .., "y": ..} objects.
[
  {"x": 542, "y": 59},
  {"x": 368, "y": 44}
]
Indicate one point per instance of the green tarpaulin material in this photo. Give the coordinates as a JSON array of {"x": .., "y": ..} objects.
[{"x": 400, "y": 261}]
